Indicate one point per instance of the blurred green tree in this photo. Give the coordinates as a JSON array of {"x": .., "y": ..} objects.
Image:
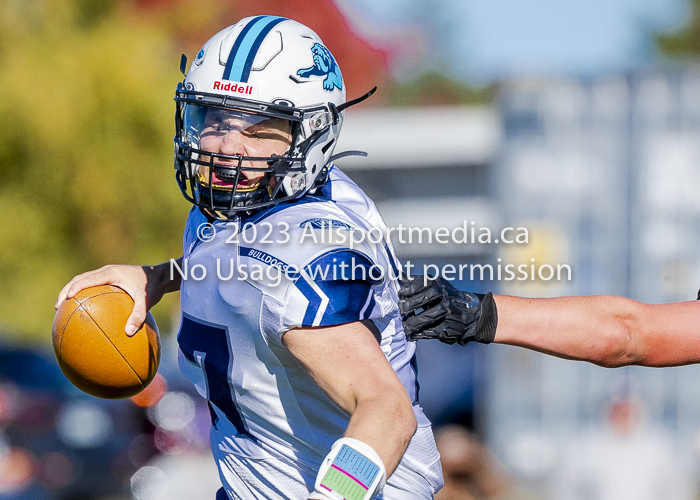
[
  {"x": 685, "y": 42},
  {"x": 438, "y": 89},
  {"x": 85, "y": 149}
]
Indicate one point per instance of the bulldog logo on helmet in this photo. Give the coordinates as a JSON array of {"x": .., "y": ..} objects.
[{"x": 324, "y": 65}]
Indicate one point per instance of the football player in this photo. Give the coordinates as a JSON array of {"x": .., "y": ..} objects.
[
  {"x": 290, "y": 325},
  {"x": 606, "y": 330}
]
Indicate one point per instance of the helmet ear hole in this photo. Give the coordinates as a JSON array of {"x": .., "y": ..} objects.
[{"x": 313, "y": 169}]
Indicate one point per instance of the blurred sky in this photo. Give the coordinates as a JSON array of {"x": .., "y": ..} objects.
[{"x": 484, "y": 40}]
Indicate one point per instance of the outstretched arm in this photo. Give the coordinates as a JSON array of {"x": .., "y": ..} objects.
[{"x": 606, "y": 330}]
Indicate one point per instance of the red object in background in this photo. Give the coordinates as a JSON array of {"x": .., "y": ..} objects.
[
  {"x": 624, "y": 417},
  {"x": 153, "y": 393},
  {"x": 362, "y": 65},
  {"x": 16, "y": 470},
  {"x": 173, "y": 442}
]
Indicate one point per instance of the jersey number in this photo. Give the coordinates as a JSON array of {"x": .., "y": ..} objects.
[{"x": 211, "y": 341}]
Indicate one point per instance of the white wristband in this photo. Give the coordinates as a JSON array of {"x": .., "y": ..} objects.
[{"x": 351, "y": 471}]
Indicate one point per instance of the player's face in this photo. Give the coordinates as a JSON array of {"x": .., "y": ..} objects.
[{"x": 234, "y": 133}]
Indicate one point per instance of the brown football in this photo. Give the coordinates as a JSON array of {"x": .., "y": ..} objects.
[{"x": 93, "y": 350}]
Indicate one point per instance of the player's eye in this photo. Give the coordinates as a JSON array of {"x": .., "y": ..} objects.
[
  {"x": 256, "y": 132},
  {"x": 211, "y": 131},
  {"x": 218, "y": 129},
  {"x": 264, "y": 134}
]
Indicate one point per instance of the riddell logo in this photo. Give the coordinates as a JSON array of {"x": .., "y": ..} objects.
[{"x": 237, "y": 88}]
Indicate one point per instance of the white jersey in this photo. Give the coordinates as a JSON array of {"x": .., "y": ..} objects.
[{"x": 258, "y": 277}]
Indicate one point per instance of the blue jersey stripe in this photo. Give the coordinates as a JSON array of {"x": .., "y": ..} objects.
[
  {"x": 314, "y": 301},
  {"x": 347, "y": 298},
  {"x": 370, "y": 307},
  {"x": 345, "y": 278},
  {"x": 392, "y": 261},
  {"x": 240, "y": 59},
  {"x": 414, "y": 365}
]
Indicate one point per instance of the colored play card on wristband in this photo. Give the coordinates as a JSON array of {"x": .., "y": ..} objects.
[{"x": 350, "y": 476}]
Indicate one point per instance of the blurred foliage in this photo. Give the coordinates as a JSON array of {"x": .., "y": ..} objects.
[
  {"x": 685, "y": 42},
  {"x": 86, "y": 174},
  {"x": 437, "y": 89}
]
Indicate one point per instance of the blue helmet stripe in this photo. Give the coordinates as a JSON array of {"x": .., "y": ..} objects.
[
  {"x": 237, "y": 45},
  {"x": 256, "y": 45},
  {"x": 240, "y": 59}
]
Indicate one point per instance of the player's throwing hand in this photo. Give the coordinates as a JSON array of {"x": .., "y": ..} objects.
[{"x": 145, "y": 284}]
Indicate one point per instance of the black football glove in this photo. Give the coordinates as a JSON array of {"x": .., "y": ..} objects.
[{"x": 440, "y": 311}]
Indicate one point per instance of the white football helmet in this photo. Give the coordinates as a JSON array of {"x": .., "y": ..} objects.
[{"x": 262, "y": 69}]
